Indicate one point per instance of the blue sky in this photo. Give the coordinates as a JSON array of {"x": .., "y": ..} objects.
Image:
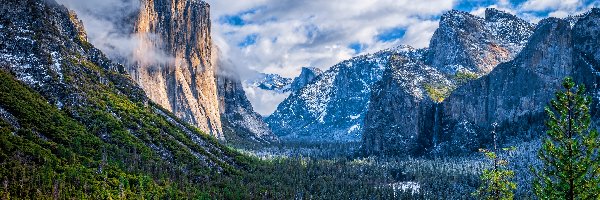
[{"x": 281, "y": 36}]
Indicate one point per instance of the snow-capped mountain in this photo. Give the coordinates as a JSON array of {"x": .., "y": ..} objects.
[
  {"x": 279, "y": 84},
  {"x": 271, "y": 82},
  {"x": 334, "y": 106}
]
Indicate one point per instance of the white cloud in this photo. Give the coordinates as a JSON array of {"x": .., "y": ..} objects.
[
  {"x": 419, "y": 34},
  {"x": 293, "y": 34},
  {"x": 536, "y": 10},
  {"x": 264, "y": 101},
  {"x": 105, "y": 24},
  {"x": 544, "y": 5}
]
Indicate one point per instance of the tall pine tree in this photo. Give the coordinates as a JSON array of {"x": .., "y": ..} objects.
[{"x": 569, "y": 153}]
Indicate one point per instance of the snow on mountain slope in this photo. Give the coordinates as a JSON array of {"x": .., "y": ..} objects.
[{"x": 332, "y": 106}]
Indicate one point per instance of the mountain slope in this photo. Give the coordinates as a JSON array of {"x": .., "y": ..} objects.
[
  {"x": 332, "y": 106},
  {"x": 515, "y": 94},
  {"x": 85, "y": 128}
]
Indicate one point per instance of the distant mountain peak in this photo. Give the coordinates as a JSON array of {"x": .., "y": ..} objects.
[
  {"x": 310, "y": 69},
  {"x": 307, "y": 74},
  {"x": 272, "y": 82}
]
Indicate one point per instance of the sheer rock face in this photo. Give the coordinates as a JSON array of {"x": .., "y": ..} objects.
[
  {"x": 464, "y": 42},
  {"x": 400, "y": 104},
  {"x": 237, "y": 112},
  {"x": 183, "y": 79},
  {"x": 586, "y": 38},
  {"x": 515, "y": 93}
]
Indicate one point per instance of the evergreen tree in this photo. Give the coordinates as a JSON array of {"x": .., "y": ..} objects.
[
  {"x": 496, "y": 181},
  {"x": 570, "y": 151}
]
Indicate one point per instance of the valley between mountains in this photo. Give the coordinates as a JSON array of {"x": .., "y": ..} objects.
[{"x": 172, "y": 118}]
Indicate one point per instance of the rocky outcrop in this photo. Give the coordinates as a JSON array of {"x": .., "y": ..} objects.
[
  {"x": 464, "y": 42},
  {"x": 183, "y": 79}
]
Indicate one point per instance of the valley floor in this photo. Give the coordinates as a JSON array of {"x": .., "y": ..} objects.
[{"x": 310, "y": 172}]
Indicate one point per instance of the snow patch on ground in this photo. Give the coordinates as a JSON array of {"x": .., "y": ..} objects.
[
  {"x": 56, "y": 67},
  {"x": 354, "y": 128}
]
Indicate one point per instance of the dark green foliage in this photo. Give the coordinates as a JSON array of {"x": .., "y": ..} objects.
[
  {"x": 570, "y": 152},
  {"x": 53, "y": 155}
]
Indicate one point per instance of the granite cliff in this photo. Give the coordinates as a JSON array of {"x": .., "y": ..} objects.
[{"x": 184, "y": 82}]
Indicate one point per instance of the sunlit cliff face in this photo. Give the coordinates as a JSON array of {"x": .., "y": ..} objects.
[{"x": 182, "y": 79}]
